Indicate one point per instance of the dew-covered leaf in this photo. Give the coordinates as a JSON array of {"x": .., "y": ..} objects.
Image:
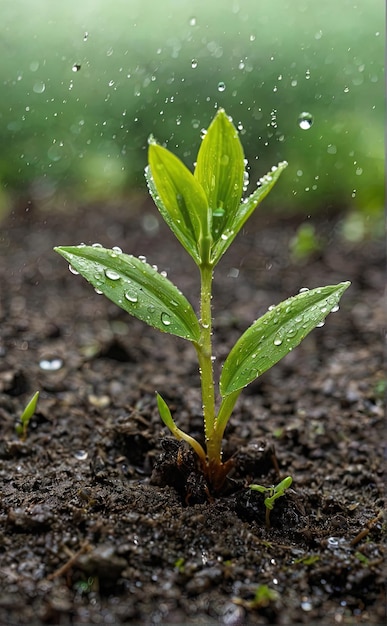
[
  {"x": 136, "y": 287},
  {"x": 277, "y": 332},
  {"x": 237, "y": 219},
  {"x": 180, "y": 200},
  {"x": 219, "y": 170}
]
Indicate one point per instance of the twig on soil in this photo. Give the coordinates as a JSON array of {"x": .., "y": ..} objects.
[
  {"x": 85, "y": 547},
  {"x": 363, "y": 533}
]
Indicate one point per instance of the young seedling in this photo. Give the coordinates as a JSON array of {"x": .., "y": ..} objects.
[
  {"x": 205, "y": 211},
  {"x": 22, "y": 426},
  {"x": 273, "y": 493}
]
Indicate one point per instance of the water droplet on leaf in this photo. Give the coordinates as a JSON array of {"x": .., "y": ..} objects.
[
  {"x": 166, "y": 319},
  {"x": 112, "y": 274},
  {"x": 131, "y": 296}
]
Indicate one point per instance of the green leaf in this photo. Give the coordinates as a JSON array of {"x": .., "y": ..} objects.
[
  {"x": 167, "y": 418},
  {"x": 136, "y": 287},
  {"x": 277, "y": 332},
  {"x": 220, "y": 171},
  {"x": 237, "y": 219},
  {"x": 180, "y": 200}
]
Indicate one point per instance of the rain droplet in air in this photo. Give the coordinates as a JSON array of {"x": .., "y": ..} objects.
[
  {"x": 221, "y": 86},
  {"x": 305, "y": 120},
  {"x": 112, "y": 274},
  {"x": 194, "y": 64},
  {"x": 39, "y": 86},
  {"x": 76, "y": 67},
  {"x": 166, "y": 319}
]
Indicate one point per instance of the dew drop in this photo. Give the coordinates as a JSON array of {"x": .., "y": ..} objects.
[
  {"x": 98, "y": 291},
  {"x": 165, "y": 319},
  {"x": 131, "y": 296},
  {"x": 320, "y": 324},
  {"x": 51, "y": 365},
  {"x": 112, "y": 274},
  {"x": 117, "y": 249},
  {"x": 304, "y": 289},
  {"x": 96, "y": 245},
  {"x": 164, "y": 273},
  {"x": 277, "y": 341},
  {"x": 218, "y": 212},
  {"x": 335, "y": 308},
  {"x": 305, "y": 120},
  {"x": 73, "y": 270},
  {"x": 81, "y": 455},
  {"x": 142, "y": 258},
  {"x": 221, "y": 86},
  {"x": 292, "y": 332}
]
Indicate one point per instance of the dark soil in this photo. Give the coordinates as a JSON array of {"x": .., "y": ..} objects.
[{"x": 89, "y": 531}]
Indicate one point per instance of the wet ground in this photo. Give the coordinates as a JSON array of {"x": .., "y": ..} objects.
[{"x": 90, "y": 533}]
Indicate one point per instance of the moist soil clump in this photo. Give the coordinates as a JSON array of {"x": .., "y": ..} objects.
[{"x": 105, "y": 519}]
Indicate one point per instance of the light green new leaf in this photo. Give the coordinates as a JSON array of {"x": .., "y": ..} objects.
[
  {"x": 276, "y": 333},
  {"x": 136, "y": 287},
  {"x": 234, "y": 222},
  {"x": 180, "y": 199},
  {"x": 220, "y": 171},
  {"x": 167, "y": 418}
]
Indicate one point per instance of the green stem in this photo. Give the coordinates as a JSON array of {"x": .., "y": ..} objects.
[{"x": 204, "y": 350}]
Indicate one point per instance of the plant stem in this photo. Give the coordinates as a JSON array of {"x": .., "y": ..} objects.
[{"x": 204, "y": 350}]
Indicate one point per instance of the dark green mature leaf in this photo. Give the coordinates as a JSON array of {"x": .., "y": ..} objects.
[
  {"x": 276, "y": 333},
  {"x": 220, "y": 171},
  {"x": 180, "y": 200},
  {"x": 234, "y": 222},
  {"x": 136, "y": 287}
]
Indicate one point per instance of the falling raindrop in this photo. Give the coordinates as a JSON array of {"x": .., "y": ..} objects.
[
  {"x": 305, "y": 120},
  {"x": 51, "y": 365},
  {"x": 221, "y": 86},
  {"x": 85, "y": 36},
  {"x": 194, "y": 64},
  {"x": 165, "y": 319},
  {"x": 192, "y": 21},
  {"x": 76, "y": 67},
  {"x": 39, "y": 86}
]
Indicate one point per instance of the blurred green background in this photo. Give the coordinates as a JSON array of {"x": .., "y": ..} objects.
[{"x": 83, "y": 84}]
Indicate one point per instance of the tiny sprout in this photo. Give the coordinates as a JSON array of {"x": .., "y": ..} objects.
[
  {"x": 22, "y": 426},
  {"x": 205, "y": 210},
  {"x": 273, "y": 493}
]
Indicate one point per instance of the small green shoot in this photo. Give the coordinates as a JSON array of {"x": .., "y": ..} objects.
[
  {"x": 205, "y": 210},
  {"x": 273, "y": 493},
  {"x": 22, "y": 425}
]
